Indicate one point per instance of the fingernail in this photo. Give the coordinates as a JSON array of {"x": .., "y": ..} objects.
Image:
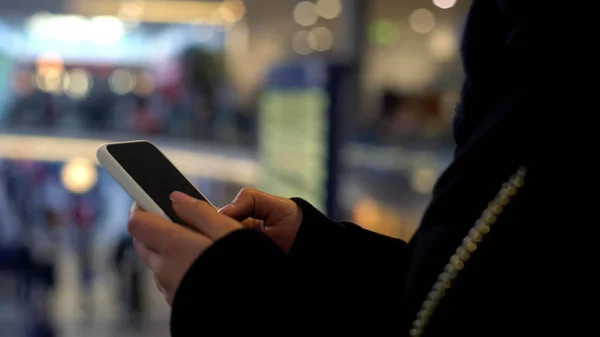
[
  {"x": 181, "y": 198},
  {"x": 226, "y": 207}
]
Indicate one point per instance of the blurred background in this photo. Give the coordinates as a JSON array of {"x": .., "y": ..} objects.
[{"x": 347, "y": 103}]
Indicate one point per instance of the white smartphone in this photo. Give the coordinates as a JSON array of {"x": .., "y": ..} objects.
[{"x": 147, "y": 175}]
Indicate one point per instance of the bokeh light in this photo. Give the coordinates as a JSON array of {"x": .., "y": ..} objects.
[
  {"x": 328, "y": 9},
  {"x": 320, "y": 39},
  {"x": 444, "y": 4},
  {"x": 301, "y": 42},
  {"x": 77, "y": 83},
  {"x": 79, "y": 175},
  {"x": 443, "y": 45},
  {"x": 422, "y": 21},
  {"x": 121, "y": 82},
  {"x": 305, "y": 13}
]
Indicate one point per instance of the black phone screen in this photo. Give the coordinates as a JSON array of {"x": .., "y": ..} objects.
[{"x": 154, "y": 173}]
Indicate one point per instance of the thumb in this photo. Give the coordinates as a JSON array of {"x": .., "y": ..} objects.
[
  {"x": 252, "y": 203},
  {"x": 201, "y": 216}
]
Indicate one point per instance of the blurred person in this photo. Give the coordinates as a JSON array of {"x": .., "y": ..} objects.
[
  {"x": 488, "y": 259},
  {"x": 202, "y": 76},
  {"x": 98, "y": 105},
  {"x": 8, "y": 218},
  {"x": 45, "y": 240},
  {"x": 130, "y": 275},
  {"x": 36, "y": 108},
  {"x": 143, "y": 120},
  {"x": 25, "y": 106},
  {"x": 226, "y": 115},
  {"x": 84, "y": 217},
  {"x": 36, "y": 240},
  {"x": 391, "y": 103},
  {"x": 175, "y": 97},
  {"x": 23, "y": 178},
  {"x": 51, "y": 112},
  {"x": 13, "y": 256},
  {"x": 40, "y": 323},
  {"x": 393, "y": 119},
  {"x": 407, "y": 122}
]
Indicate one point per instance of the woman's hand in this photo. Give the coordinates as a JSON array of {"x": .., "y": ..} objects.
[
  {"x": 278, "y": 217},
  {"x": 169, "y": 249}
]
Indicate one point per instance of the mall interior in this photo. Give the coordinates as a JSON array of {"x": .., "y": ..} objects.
[{"x": 346, "y": 103}]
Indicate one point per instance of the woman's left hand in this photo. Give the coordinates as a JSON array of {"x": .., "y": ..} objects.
[{"x": 169, "y": 249}]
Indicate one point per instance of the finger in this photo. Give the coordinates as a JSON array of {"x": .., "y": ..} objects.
[
  {"x": 202, "y": 216},
  {"x": 154, "y": 231},
  {"x": 156, "y": 264},
  {"x": 252, "y": 223},
  {"x": 159, "y": 286},
  {"x": 150, "y": 258},
  {"x": 252, "y": 203},
  {"x": 134, "y": 207}
]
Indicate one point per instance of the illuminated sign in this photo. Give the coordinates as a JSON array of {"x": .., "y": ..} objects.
[
  {"x": 225, "y": 12},
  {"x": 294, "y": 143},
  {"x": 72, "y": 28},
  {"x": 298, "y": 143}
]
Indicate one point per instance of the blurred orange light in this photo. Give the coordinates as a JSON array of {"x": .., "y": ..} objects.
[
  {"x": 390, "y": 222},
  {"x": 49, "y": 63},
  {"x": 131, "y": 10},
  {"x": 443, "y": 45},
  {"x": 367, "y": 214},
  {"x": 232, "y": 10},
  {"x": 226, "y": 14}
]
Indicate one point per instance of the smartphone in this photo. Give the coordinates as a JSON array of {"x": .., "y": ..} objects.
[{"x": 147, "y": 175}]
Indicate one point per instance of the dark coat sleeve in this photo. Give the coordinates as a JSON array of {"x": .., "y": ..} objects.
[
  {"x": 346, "y": 253},
  {"x": 244, "y": 282}
]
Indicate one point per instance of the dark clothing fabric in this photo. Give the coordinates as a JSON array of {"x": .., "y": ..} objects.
[{"x": 344, "y": 279}]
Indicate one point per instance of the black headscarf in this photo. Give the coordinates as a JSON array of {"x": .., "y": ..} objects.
[
  {"x": 505, "y": 51},
  {"x": 504, "y": 100}
]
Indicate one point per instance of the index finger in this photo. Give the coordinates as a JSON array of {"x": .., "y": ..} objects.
[
  {"x": 152, "y": 230},
  {"x": 251, "y": 203}
]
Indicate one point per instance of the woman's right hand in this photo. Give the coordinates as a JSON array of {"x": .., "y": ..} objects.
[{"x": 278, "y": 217}]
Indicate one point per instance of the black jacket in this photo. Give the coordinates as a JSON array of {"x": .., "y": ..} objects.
[{"x": 344, "y": 279}]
